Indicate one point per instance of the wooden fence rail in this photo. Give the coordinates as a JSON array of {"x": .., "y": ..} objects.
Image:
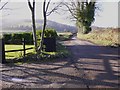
[
  {"x": 19, "y": 50},
  {"x": 24, "y": 49}
]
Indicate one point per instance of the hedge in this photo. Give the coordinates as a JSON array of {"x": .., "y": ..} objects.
[{"x": 16, "y": 38}]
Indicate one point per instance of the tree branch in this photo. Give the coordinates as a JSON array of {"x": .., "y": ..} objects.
[
  {"x": 30, "y": 6},
  {"x": 70, "y": 10},
  {"x": 3, "y": 5},
  {"x": 48, "y": 5},
  {"x": 33, "y": 4},
  {"x": 54, "y": 9}
]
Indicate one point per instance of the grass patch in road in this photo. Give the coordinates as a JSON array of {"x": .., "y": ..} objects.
[{"x": 102, "y": 37}]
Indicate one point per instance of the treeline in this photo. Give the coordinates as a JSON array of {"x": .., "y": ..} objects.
[{"x": 16, "y": 38}]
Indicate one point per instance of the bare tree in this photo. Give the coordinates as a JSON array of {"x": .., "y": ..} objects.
[
  {"x": 45, "y": 14},
  {"x": 1, "y": 7},
  {"x": 44, "y": 24},
  {"x": 32, "y": 8}
]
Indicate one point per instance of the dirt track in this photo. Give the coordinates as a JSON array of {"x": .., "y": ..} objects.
[{"x": 89, "y": 66}]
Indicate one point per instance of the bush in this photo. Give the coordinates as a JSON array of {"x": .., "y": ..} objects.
[
  {"x": 7, "y": 38},
  {"x": 16, "y": 38},
  {"x": 49, "y": 33},
  {"x": 86, "y": 29},
  {"x": 28, "y": 36}
]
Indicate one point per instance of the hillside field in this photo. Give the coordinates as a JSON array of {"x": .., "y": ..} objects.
[{"x": 105, "y": 37}]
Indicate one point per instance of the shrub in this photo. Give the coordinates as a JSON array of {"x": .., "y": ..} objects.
[
  {"x": 28, "y": 36},
  {"x": 48, "y": 33},
  {"x": 7, "y": 38},
  {"x": 16, "y": 38}
]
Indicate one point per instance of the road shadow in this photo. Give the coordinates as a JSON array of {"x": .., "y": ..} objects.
[
  {"x": 87, "y": 55},
  {"x": 100, "y": 61}
]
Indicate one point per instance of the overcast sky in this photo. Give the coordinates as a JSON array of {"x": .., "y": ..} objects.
[{"x": 107, "y": 17}]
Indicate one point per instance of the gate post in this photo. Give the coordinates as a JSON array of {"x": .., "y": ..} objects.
[
  {"x": 2, "y": 46},
  {"x": 23, "y": 42}
]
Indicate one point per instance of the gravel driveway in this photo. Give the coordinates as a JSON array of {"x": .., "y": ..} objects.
[{"x": 89, "y": 66}]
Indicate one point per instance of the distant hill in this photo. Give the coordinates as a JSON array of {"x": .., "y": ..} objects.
[
  {"x": 97, "y": 28},
  {"x": 26, "y": 26}
]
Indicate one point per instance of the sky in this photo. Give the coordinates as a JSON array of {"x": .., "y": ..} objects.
[{"x": 107, "y": 16}]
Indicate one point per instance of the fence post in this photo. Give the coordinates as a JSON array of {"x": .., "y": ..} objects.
[
  {"x": 23, "y": 42},
  {"x": 3, "y": 51}
]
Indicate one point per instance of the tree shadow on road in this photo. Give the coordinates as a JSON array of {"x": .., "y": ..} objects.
[
  {"x": 100, "y": 63},
  {"x": 86, "y": 58}
]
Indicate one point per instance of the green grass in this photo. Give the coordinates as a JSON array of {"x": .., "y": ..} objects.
[
  {"x": 18, "y": 54},
  {"x": 64, "y": 36},
  {"x": 60, "y": 53},
  {"x": 61, "y": 50},
  {"x": 106, "y": 37}
]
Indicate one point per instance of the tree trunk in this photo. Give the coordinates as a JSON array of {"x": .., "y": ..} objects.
[
  {"x": 44, "y": 27},
  {"x": 32, "y": 8},
  {"x": 34, "y": 30}
]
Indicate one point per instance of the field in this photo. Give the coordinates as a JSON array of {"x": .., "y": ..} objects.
[
  {"x": 61, "y": 51},
  {"x": 11, "y": 55},
  {"x": 106, "y": 37}
]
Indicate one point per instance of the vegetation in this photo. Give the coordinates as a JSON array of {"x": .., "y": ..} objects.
[
  {"x": 16, "y": 38},
  {"x": 46, "y": 12},
  {"x": 64, "y": 36},
  {"x": 83, "y": 13},
  {"x": 19, "y": 54},
  {"x": 0, "y": 36},
  {"x": 85, "y": 16},
  {"x": 61, "y": 52},
  {"x": 108, "y": 37},
  {"x": 32, "y": 9},
  {"x": 48, "y": 33}
]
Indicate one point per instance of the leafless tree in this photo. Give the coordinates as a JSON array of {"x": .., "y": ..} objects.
[
  {"x": 32, "y": 8},
  {"x": 45, "y": 14},
  {"x": 1, "y": 7}
]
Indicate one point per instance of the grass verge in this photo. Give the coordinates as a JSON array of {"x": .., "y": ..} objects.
[
  {"x": 61, "y": 52},
  {"x": 64, "y": 36},
  {"x": 102, "y": 37}
]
